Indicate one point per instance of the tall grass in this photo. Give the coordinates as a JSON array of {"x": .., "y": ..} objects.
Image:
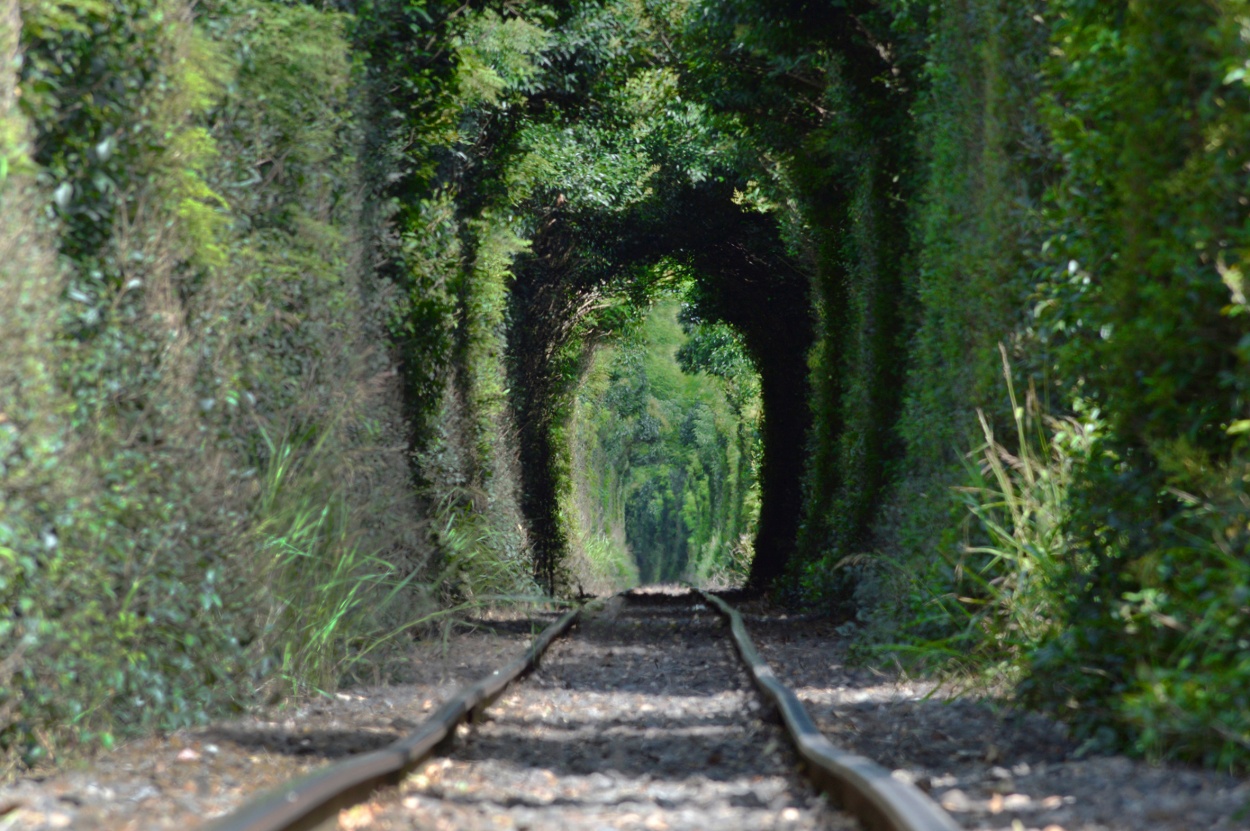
[
  {"x": 608, "y": 565},
  {"x": 323, "y": 593},
  {"x": 479, "y": 563},
  {"x": 330, "y": 602},
  {"x": 1007, "y": 578},
  {"x": 719, "y": 572},
  {"x": 1174, "y": 638}
]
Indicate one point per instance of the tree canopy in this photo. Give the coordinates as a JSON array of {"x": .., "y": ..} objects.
[{"x": 952, "y": 290}]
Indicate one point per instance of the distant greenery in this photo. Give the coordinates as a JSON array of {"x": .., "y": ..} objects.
[{"x": 668, "y": 427}]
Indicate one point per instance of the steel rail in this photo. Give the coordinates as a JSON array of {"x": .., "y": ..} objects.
[
  {"x": 857, "y": 784},
  {"x": 308, "y": 801}
]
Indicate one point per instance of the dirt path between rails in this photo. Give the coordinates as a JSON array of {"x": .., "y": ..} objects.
[{"x": 643, "y": 719}]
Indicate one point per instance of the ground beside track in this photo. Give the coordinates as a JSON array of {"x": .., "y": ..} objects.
[
  {"x": 177, "y": 781},
  {"x": 992, "y": 766}
]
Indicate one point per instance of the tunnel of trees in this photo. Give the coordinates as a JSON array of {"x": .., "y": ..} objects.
[
  {"x": 352, "y": 298},
  {"x": 743, "y": 278}
]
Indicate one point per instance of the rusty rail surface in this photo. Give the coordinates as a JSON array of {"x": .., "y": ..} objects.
[
  {"x": 307, "y": 802},
  {"x": 857, "y": 785}
]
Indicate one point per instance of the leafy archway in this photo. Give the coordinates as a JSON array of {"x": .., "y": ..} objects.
[{"x": 743, "y": 277}]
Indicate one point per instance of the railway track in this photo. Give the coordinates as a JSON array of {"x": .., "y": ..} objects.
[{"x": 643, "y": 716}]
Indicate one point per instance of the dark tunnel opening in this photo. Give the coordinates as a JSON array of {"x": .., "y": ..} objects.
[{"x": 744, "y": 278}]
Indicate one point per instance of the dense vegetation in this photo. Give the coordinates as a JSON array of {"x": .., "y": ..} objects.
[{"x": 383, "y": 304}]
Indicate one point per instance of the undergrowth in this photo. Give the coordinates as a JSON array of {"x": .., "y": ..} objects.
[
  {"x": 1000, "y": 592},
  {"x": 480, "y": 563},
  {"x": 327, "y": 599}
]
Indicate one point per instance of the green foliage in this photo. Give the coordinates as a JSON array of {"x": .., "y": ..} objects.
[
  {"x": 484, "y": 295},
  {"x": 423, "y": 322},
  {"x": 1128, "y": 264},
  {"x": 480, "y": 565},
  {"x": 497, "y": 55},
  {"x": 185, "y": 282},
  {"x": 456, "y": 263},
  {"x": 1009, "y": 580},
  {"x": 593, "y": 167},
  {"x": 214, "y": 214},
  {"x": 326, "y": 602},
  {"x": 670, "y": 422},
  {"x": 1147, "y": 223},
  {"x": 313, "y": 572},
  {"x": 1155, "y": 122},
  {"x": 1188, "y": 693},
  {"x": 1158, "y": 665},
  {"x": 594, "y": 506}
]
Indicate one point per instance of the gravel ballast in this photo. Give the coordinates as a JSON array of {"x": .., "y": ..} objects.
[
  {"x": 992, "y": 766},
  {"x": 643, "y": 719}
]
